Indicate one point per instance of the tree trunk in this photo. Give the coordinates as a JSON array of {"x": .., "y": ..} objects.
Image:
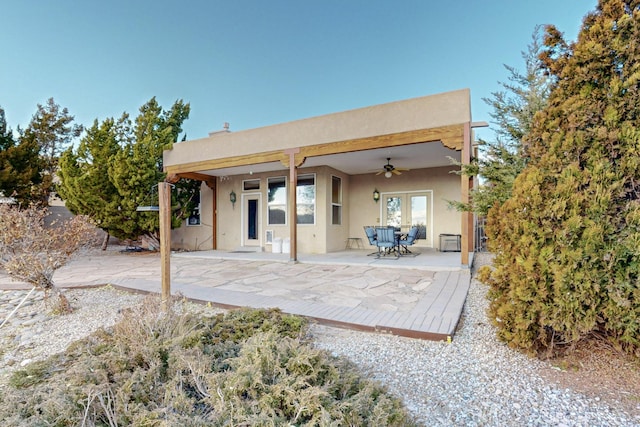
[
  {"x": 44, "y": 281},
  {"x": 105, "y": 241},
  {"x": 152, "y": 241}
]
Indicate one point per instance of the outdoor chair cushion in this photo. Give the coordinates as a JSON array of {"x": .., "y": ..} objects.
[
  {"x": 411, "y": 237},
  {"x": 371, "y": 235},
  {"x": 386, "y": 240}
]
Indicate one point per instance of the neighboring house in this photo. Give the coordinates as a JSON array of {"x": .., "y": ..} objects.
[{"x": 334, "y": 163}]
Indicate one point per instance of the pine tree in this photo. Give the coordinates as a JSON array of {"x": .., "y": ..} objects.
[
  {"x": 85, "y": 185},
  {"x": 20, "y": 166},
  {"x": 567, "y": 263},
  {"x": 52, "y": 130},
  {"x": 117, "y": 167},
  {"x": 500, "y": 161}
]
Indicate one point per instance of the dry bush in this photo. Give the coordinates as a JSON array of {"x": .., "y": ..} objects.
[
  {"x": 31, "y": 251},
  {"x": 156, "y": 368}
]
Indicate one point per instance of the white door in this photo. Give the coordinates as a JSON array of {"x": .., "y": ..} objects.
[
  {"x": 251, "y": 219},
  {"x": 405, "y": 210}
]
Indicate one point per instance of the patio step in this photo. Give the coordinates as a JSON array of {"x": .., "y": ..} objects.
[{"x": 248, "y": 249}]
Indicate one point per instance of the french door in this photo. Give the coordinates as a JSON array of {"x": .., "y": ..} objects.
[
  {"x": 404, "y": 210},
  {"x": 251, "y": 220}
]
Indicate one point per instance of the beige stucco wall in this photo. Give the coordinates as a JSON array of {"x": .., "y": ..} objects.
[
  {"x": 196, "y": 237},
  {"x": 314, "y": 238},
  {"x": 413, "y": 114},
  {"x": 336, "y": 235},
  {"x": 442, "y": 185},
  {"x": 358, "y": 209}
]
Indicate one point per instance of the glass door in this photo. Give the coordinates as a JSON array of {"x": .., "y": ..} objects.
[
  {"x": 251, "y": 220},
  {"x": 404, "y": 210}
]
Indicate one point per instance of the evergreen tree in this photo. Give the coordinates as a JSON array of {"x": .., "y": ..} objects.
[
  {"x": 20, "y": 166},
  {"x": 500, "y": 161},
  {"x": 52, "y": 130},
  {"x": 85, "y": 185},
  {"x": 567, "y": 263},
  {"x": 117, "y": 167}
]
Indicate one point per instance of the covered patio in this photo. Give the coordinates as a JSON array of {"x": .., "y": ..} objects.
[{"x": 316, "y": 182}]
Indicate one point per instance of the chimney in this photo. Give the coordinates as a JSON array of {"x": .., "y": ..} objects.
[{"x": 225, "y": 129}]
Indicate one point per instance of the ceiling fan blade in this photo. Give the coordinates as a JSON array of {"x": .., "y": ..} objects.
[
  {"x": 380, "y": 172},
  {"x": 397, "y": 172},
  {"x": 403, "y": 169}
]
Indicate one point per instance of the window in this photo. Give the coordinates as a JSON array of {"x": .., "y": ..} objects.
[
  {"x": 306, "y": 199},
  {"x": 194, "y": 218},
  {"x": 336, "y": 200},
  {"x": 251, "y": 184},
  {"x": 277, "y": 203}
]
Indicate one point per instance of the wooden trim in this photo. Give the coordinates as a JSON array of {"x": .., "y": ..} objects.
[
  {"x": 451, "y": 136},
  {"x": 208, "y": 179},
  {"x": 228, "y": 162}
]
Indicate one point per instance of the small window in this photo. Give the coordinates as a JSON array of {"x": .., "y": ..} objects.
[
  {"x": 251, "y": 184},
  {"x": 336, "y": 200},
  {"x": 194, "y": 218},
  {"x": 306, "y": 199},
  {"x": 277, "y": 200}
]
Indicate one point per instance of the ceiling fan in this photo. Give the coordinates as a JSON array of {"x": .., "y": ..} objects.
[{"x": 389, "y": 169}]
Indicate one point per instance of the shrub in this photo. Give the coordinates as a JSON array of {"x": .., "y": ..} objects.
[
  {"x": 567, "y": 264},
  {"x": 155, "y": 368},
  {"x": 32, "y": 251}
]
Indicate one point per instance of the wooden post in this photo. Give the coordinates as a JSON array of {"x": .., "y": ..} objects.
[
  {"x": 293, "y": 204},
  {"x": 464, "y": 197},
  {"x": 164, "y": 195}
]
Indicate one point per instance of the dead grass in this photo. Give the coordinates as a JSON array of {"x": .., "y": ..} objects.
[{"x": 599, "y": 371}]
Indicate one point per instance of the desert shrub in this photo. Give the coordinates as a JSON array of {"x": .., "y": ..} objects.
[
  {"x": 32, "y": 251},
  {"x": 567, "y": 264},
  {"x": 155, "y": 368}
]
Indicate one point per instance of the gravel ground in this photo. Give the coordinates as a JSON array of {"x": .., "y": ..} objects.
[{"x": 473, "y": 381}]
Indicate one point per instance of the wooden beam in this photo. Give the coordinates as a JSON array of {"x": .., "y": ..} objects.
[
  {"x": 164, "y": 194},
  {"x": 214, "y": 214},
  {"x": 208, "y": 179},
  {"x": 451, "y": 136},
  {"x": 464, "y": 198},
  {"x": 227, "y": 162},
  {"x": 293, "y": 203}
]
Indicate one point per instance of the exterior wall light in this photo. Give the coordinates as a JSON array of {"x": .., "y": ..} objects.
[
  {"x": 232, "y": 197},
  {"x": 376, "y": 195}
]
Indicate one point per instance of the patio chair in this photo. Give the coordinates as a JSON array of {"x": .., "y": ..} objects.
[
  {"x": 386, "y": 241},
  {"x": 371, "y": 235},
  {"x": 404, "y": 244}
]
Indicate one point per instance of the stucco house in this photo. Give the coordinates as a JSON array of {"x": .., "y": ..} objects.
[{"x": 317, "y": 182}]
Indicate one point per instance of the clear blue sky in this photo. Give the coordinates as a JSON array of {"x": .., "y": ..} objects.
[{"x": 259, "y": 62}]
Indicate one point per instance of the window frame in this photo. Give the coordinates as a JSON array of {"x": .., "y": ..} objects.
[
  {"x": 246, "y": 181},
  {"x": 315, "y": 202},
  {"x": 337, "y": 204},
  {"x": 196, "y": 212},
  {"x": 279, "y": 205}
]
